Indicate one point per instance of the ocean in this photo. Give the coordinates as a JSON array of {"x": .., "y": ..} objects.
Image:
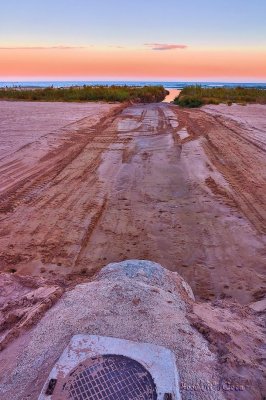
[{"x": 169, "y": 85}]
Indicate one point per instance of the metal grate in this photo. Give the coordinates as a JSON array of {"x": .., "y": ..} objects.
[{"x": 109, "y": 377}]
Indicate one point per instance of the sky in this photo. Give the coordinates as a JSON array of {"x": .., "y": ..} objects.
[{"x": 174, "y": 40}]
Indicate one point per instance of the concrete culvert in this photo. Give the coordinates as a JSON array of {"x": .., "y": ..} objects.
[{"x": 136, "y": 301}]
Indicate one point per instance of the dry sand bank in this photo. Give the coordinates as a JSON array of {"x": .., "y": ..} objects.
[{"x": 26, "y": 122}]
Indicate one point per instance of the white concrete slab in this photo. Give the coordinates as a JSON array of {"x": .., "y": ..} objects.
[{"x": 159, "y": 361}]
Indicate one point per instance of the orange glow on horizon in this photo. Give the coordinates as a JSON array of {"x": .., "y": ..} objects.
[{"x": 136, "y": 63}]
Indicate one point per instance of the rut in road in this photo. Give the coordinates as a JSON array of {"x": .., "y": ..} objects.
[{"x": 144, "y": 183}]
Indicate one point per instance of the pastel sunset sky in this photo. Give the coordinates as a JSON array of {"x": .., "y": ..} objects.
[{"x": 222, "y": 40}]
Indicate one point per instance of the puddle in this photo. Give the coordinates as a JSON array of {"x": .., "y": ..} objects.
[{"x": 183, "y": 134}]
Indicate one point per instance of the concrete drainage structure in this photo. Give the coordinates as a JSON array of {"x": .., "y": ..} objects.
[
  {"x": 144, "y": 305},
  {"x": 104, "y": 368}
]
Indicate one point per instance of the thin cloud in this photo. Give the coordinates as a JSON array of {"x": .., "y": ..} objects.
[
  {"x": 166, "y": 46},
  {"x": 116, "y": 46},
  {"x": 43, "y": 48}
]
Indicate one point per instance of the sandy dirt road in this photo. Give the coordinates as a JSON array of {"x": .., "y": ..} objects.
[
  {"x": 173, "y": 93},
  {"x": 182, "y": 188}
]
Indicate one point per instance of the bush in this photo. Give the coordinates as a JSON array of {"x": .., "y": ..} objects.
[
  {"x": 191, "y": 96},
  {"x": 145, "y": 94},
  {"x": 189, "y": 102}
]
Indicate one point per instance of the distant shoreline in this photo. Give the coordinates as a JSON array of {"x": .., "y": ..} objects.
[{"x": 38, "y": 84}]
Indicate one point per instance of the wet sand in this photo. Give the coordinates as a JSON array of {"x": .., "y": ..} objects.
[
  {"x": 105, "y": 183},
  {"x": 173, "y": 93}
]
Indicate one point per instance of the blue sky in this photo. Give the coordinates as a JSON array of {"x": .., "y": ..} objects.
[
  {"x": 115, "y": 39},
  {"x": 203, "y": 23}
]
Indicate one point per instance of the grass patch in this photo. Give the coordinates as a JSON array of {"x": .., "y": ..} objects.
[
  {"x": 196, "y": 96},
  {"x": 145, "y": 94}
]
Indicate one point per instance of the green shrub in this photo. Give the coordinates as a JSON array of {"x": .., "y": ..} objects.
[
  {"x": 189, "y": 102},
  {"x": 145, "y": 94},
  {"x": 219, "y": 95}
]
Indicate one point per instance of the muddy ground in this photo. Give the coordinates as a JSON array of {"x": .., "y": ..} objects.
[
  {"x": 183, "y": 188},
  {"x": 83, "y": 185}
]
